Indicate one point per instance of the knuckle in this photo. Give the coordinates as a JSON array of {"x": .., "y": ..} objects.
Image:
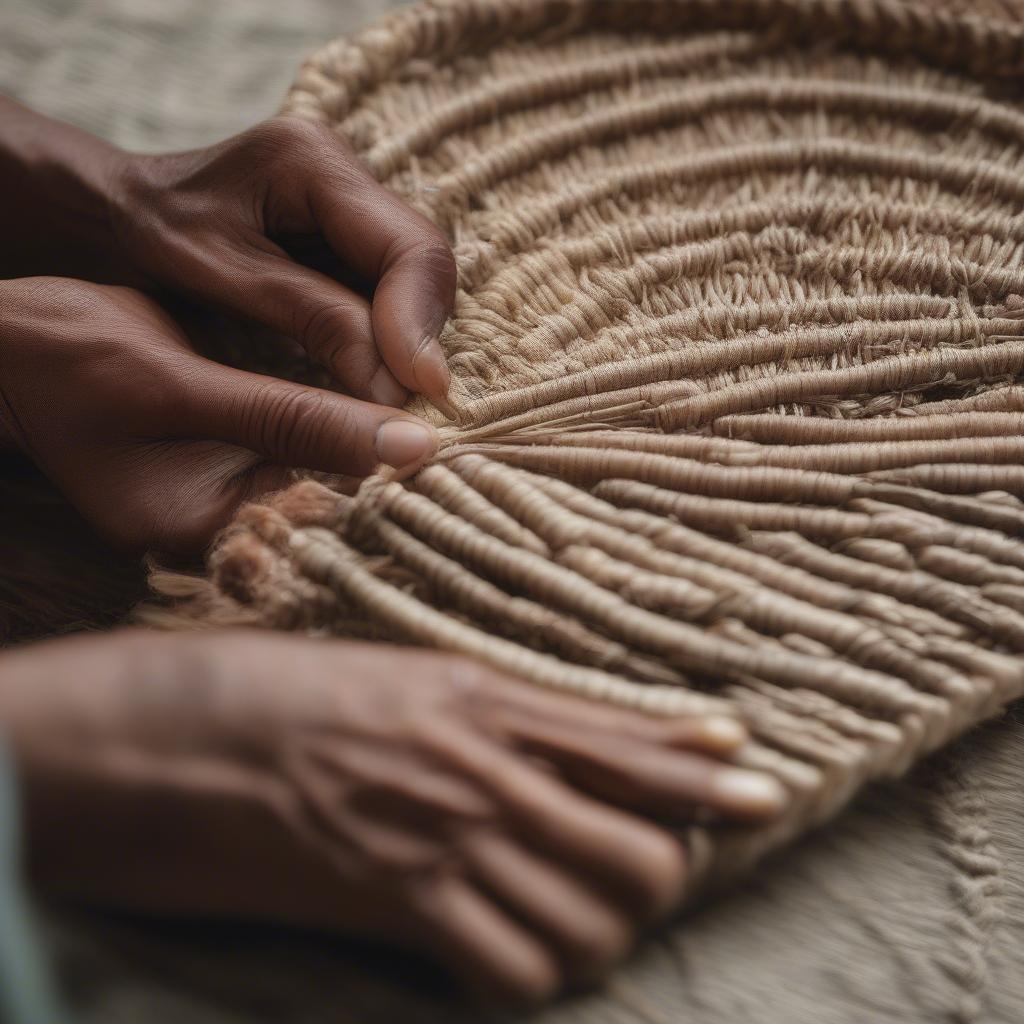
[
  {"x": 152, "y": 406},
  {"x": 434, "y": 256},
  {"x": 466, "y": 675},
  {"x": 141, "y": 183},
  {"x": 293, "y": 419},
  {"x": 472, "y": 687},
  {"x": 158, "y": 393},
  {"x": 155, "y": 211},
  {"x": 288, "y": 137},
  {"x": 45, "y": 296},
  {"x": 324, "y": 332},
  {"x": 300, "y": 422}
]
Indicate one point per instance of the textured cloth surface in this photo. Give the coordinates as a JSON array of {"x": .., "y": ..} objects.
[{"x": 907, "y": 908}]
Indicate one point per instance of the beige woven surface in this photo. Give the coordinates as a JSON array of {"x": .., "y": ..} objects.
[
  {"x": 735, "y": 356},
  {"x": 909, "y": 907}
]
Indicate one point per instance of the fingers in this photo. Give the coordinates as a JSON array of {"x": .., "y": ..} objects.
[
  {"x": 631, "y": 857},
  {"x": 655, "y": 779},
  {"x": 662, "y": 766},
  {"x": 410, "y": 307},
  {"x": 588, "y": 933},
  {"x": 518, "y": 704},
  {"x": 298, "y": 426},
  {"x": 299, "y": 178},
  {"x": 332, "y": 323},
  {"x": 490, "y": 953},
  {"x": 409, "y": 259}
]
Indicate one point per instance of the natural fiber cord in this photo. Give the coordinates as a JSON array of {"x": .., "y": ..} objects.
[{"x": 738, "y": 361}]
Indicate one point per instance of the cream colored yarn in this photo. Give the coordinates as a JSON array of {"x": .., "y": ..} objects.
[{"x": 737, "y": 358}]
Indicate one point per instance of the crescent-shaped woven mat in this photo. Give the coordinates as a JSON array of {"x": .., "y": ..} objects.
[{"x": 737, "y": 354}]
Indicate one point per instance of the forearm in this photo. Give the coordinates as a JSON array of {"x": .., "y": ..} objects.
[
  {"x": 24, "y": 695},
  {"x": 132, "y": 749},
  {"x": 53, "y": 185}
]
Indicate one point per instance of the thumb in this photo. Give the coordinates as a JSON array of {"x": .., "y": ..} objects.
[{"x": 301, "y": 427}]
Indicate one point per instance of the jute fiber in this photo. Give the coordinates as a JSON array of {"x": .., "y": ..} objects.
[{"x": 738, "y": 414}]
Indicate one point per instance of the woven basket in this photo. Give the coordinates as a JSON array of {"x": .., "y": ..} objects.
[{"x": 736, "y": 351}]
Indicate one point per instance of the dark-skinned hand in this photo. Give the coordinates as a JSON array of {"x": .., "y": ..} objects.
[
  {"x": 400, "y": 794},
  {"x": 154, "y": 444},
  {"x": 211, "y": 224}
]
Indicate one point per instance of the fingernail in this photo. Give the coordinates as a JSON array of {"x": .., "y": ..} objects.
[
  {"x": 723, "y": 733},
  {"x": 430, "y": 368},
  {"x": 749, "y": 790},
  {"x": 401, "y": 443},
  {"x": 385, "y": 390},
  {"x": 445, "y": 408}
]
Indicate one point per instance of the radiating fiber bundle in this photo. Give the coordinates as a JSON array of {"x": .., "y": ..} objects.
[{"x": 737, "y": 353}]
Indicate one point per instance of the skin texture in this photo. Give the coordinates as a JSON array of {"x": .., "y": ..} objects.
[
  {"x": 213, "y": 226},
  {"x": 390, "y": 793}
]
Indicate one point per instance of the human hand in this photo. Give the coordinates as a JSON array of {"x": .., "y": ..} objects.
[
  {"x": 414, "y": 797},
  {"x": 155, "y": 445},
  {"x": 213, "y": 224}
]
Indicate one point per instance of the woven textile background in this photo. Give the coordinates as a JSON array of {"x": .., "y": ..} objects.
[{"x": 906, "y": 909}]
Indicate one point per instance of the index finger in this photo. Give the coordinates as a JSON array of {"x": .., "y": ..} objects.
[{"x": 411, "y": 263}]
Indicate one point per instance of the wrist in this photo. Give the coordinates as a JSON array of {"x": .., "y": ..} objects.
[
  {"x": 56, "y": 182},
  {"x": 61, "y": 705},
  {"x": 102, "y": 729}
]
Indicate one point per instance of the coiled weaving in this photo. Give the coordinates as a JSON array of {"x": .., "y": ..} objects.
[{"x": 737, "y": 411}]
